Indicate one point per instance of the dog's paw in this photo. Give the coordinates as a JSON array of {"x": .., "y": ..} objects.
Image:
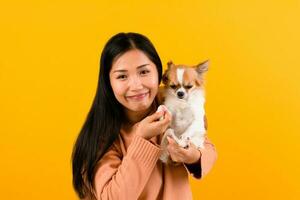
[
  {"x": 162, "y": 108},
  {"x": 184, "y": 141},
  {"x": 170, "y": 132}
]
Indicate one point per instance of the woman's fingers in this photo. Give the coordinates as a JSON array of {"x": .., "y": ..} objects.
[
  {"x": 163, "y": 122},
  {"x": 161, "y": 117},
  {"x": 168, "y": 115},
  {"x": 171, "y": 140},
  {"x": 155, "y": 116},
  {"x": 179, "y": 154},
  {"x": 175, "y": 148}
]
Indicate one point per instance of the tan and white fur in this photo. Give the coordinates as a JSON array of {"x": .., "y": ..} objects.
[{"x": 183, "y": 96}]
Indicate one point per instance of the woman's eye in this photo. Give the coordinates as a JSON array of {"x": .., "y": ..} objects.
[
  {"x": 121, "y": 77},
  {"x": 145, "y": 72}
]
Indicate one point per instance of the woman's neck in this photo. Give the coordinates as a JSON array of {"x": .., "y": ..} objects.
[{"x": 133, "y": 117}]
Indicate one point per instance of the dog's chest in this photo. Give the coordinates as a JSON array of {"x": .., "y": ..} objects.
[{"x": 182, "y": 117}]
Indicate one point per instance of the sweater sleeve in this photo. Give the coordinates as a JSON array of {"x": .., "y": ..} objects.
[
  {"x": 125, "y": 177},
  {"x": 206, "y": 161}
]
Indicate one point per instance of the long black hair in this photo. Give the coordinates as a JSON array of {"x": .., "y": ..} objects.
[{"x": 104, "y": 120}]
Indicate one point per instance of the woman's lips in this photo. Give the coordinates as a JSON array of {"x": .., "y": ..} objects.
[{"x": 138, "y": 96}]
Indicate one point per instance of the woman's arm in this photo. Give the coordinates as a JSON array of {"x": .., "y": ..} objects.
[
  {"x": 206, "y": 161},
  {"x": 118, "y": 178}
]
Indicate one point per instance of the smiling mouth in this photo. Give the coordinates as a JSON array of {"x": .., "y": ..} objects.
[{"x": 138, "y": 96}]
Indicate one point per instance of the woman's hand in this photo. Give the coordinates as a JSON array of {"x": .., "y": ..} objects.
[
  {"x": 151, "y": 126},
  {"x": 178, "y": 154}
]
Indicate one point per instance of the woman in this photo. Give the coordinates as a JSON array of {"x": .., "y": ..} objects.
[{"x": 116, "y": 155}]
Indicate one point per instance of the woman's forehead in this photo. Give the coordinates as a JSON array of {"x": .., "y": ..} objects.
[
  {"x": 132, "y": 59},
  {"x": 125, "y": 70}
]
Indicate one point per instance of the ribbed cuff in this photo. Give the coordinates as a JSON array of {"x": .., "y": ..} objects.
[
  {"x": 143, "y": 151},
  {"x": 195, "y": 168}
]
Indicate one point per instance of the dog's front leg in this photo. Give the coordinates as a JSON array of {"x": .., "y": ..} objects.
[
  {"x": 164, "y": 157},
  {"x": 194, "y": 133}
]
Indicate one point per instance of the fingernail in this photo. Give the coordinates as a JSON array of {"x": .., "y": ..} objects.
[{"x": 168, "y": 138}]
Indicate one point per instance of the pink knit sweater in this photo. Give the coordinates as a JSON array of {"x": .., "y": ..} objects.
[{"x": 131, "y": 170}]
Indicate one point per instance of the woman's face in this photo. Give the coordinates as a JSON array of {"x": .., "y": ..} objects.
[{"x": 134, "y": 80}]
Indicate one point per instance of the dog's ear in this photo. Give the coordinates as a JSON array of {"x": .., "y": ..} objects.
[
  {"x": 165, "y": 77},
  {"x": 170, "y": 64},
  {"x": 202, "y": 67}
]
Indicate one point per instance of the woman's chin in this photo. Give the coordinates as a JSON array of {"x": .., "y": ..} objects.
[{"x": 140, "y": 108}]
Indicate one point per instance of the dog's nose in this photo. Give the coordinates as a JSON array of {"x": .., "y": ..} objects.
[{"x": 180, "y": 94}]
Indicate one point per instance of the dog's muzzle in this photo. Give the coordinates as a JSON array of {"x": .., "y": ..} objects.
[{"x": 180, "y": 94}]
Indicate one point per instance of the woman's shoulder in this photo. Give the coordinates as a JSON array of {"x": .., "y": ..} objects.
[{"x": 116, "y": 146}]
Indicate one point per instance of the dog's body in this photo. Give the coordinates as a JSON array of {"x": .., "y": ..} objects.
[{"x": 186, "y": 104}]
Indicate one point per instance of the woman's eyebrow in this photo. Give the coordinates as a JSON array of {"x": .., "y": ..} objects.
[{"x": 124, "y": 70}]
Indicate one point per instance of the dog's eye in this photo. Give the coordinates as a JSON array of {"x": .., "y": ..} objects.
[
  {"x": 173, "y": 86},
  {"x": 188, "y": 86}
]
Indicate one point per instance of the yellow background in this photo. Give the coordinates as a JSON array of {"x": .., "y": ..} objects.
[{"x": 49, "y": 64}]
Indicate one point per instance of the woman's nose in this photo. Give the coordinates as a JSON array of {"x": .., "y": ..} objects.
[{"x": 136, "y": 83}]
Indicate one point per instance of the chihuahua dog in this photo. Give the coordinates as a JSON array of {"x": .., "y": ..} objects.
[{"x": 183, "y": 96}]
